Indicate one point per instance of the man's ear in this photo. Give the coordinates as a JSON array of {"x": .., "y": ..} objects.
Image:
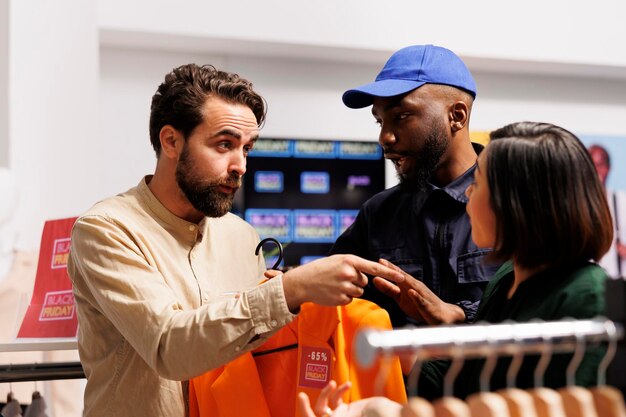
[
  {"x": 458, "y": 116},
  {"x": 172, "y": 142}
]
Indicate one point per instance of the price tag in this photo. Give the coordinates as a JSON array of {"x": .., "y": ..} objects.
[{"x": 315, "y": 366}]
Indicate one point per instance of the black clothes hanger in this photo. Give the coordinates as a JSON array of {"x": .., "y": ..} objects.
[{"x": 278, "y": 245}]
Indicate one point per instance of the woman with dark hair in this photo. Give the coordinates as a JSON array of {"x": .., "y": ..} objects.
[{"x": 537, "y": 201}]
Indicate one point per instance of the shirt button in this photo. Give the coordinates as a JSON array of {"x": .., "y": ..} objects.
[
  {"x": 193, "y": 255},
  {"x": 273, "y": 323},
  {"x": 237, "y": 348},
  {"x": 192, "y": 228},
  {"x": 205, "y": 297}
]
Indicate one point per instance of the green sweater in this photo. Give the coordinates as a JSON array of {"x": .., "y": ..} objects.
[{"x": 576, "y": 293}]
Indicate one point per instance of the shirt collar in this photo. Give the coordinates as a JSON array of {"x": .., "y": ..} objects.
[
  {"x": 456, "y": 189},
  {"x": 188, "y": 229}
]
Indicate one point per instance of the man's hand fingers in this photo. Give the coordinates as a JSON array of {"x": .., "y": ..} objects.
[
  {"x": 271, "y": 273},
  {"x": 353, "y": 290},
  {"x": 390, "y": 265},
  {"x": 387, "y": 288},
  {"x": 361, "y": 280},
  {"x": 420, "y": 301},
  {"x": 434, "y": 311},
  {"x": 376, "y": 269}
]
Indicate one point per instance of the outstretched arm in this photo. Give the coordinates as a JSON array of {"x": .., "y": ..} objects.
[
  {"x": 334, "y": 280},
  {"x": 417, "y": 300}
]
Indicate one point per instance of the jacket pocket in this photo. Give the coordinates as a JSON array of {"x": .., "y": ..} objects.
[
  {"x": 473, "y": 267},
  {"x": 412, "y": 266}
]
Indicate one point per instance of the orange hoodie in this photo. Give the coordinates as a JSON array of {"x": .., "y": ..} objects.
[{"x": 265, "y": 382}]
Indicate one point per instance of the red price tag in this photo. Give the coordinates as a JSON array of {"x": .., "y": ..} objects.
[{"x": 315, "y": 367}]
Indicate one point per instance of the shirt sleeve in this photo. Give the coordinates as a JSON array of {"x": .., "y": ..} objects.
[
  {"x": 124, "y": 297},
  {"x": 469, "y": 308}
]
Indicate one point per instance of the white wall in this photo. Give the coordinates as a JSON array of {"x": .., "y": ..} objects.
[
  {"x": 4, "y": 83},
  {"x": 304, "y": 98},
  {"x": 53, "y": 73},
  {"x": 127, "y": 82},
  {"x": 82, "y": 72},
  {"x": 561, "y": 31}
]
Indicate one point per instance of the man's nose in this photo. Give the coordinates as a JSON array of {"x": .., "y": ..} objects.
[
  {"x": 238, "y": 163},
  {"x": 386, "y": 137}
]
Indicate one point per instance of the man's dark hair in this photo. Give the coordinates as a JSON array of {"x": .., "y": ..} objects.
[
  {"x": 550, "y": 207},
  {"x": 179, "y": 99}
]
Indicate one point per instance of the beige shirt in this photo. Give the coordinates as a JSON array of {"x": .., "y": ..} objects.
[{"x": 161, "y": 300}]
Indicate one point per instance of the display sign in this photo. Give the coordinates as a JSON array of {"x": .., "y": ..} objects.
[
  {"x": 52, "y": 309},
  {"x": 306, "y": 192}
]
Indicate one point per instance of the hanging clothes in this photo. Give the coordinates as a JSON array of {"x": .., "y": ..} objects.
[
  {"x": 12, "y": 407},
  {"x": 302, "y": 357},
  {"x": 37, "y": 407}
]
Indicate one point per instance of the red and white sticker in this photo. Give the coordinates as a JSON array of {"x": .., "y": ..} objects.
[{"x": 315, "y": 367}]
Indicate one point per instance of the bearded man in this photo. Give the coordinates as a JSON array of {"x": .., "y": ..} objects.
[
  {"x": 165, "y": 278},
  {"x": 422, "y": 100}
]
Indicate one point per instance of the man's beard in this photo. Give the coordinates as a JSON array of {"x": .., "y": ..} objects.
[
  {"x": 203, "y": 195},
  {"x": 425, "y": 161}
]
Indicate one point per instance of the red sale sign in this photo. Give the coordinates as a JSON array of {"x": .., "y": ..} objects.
[
  {"x": 315, "y": 367},
  {"x": 52, "y": 310}
]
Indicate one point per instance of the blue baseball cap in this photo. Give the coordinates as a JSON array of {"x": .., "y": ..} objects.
[{"x": 410, "y": 68}]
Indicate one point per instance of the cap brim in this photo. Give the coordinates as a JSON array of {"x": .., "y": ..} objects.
[{"x": 364, "y": 95}]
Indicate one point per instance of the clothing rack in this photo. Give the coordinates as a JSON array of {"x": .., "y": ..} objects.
[
  {"x": 480, "y": 340},
  {"x": 40, "y": 371}
]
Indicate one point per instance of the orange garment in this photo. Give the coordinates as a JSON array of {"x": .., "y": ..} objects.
[{"x": 262, "y": 384}]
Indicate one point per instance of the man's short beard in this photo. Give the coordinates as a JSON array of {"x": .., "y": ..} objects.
[
  {"x": 204, "y": 196},
  {"x": 425, "y": 161}
]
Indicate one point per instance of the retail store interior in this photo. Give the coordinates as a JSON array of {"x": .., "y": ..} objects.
[{"x": 76, "y": 78}]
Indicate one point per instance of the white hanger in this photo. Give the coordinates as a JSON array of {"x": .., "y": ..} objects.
[
  {"x": 519, "y": 402},
  {"x": 448, "y": 405},
  {"x": 548, "y": 402},
  {"x": 384, "y": 370},
  {"x": 577, "y": 401},
  {"x": 609, "y": 401},
  {"x": 382, "y": 407},
  {"x": 416, "y": 406},
  {"x": 485, "y": 403}
]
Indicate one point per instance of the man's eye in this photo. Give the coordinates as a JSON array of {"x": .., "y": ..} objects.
[{"x": 224, "y": 145}]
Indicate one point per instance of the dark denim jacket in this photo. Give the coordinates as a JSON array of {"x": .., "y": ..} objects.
[{"x": 428, "y": 235}]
